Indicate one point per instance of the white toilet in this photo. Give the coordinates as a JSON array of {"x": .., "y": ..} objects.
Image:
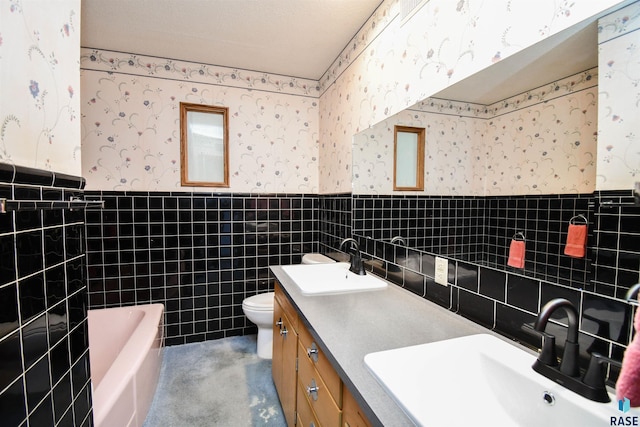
[{"x": 259, "y": 310}]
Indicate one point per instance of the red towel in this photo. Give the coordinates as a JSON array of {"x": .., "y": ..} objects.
[
  {"x": 628, "y": 385},
  {"x": 576, "y": 241},
  {"x": 516, "y": 254}
]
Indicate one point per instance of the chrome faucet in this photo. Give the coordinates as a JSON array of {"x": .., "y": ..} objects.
[
  {"x": 632, "y": 293},
  {"x": 355, "y": 258},
  {"x": 398, "y": 239},
  {"x": 592, "y": 385}
]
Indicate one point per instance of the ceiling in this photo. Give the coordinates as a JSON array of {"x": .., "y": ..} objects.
[{"x": 299, "y": 38}]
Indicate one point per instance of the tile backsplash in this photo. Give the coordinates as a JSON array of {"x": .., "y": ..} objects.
[{"x": 44, "y": 356}]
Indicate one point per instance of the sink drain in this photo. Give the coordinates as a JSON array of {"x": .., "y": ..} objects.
[{"x": 549, "y": 399}]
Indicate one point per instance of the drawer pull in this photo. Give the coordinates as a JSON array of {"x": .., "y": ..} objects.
[
  {"x": 312, "y": 390},
  {"x": 279, "y": 323},
  {"x": 284, "y": 331},
  {"x": 312, "y": 353}
]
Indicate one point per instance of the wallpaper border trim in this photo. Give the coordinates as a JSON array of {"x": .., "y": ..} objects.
[{"x": 173, "y": 69}]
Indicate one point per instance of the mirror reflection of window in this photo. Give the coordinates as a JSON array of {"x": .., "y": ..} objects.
[
  {"x": 408, "y": 164},
  {"x": 204, "y": 145}
]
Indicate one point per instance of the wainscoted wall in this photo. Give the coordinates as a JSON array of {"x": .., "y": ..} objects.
[
  {"x": 199, "y": 254},
  {"x": 483, "y": 289},
  {"x": 44, "y": 356}
]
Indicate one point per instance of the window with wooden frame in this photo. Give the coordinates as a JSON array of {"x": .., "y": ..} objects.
[
  {"x": 408, "y": 158},
  {"x": 204, "y": 145}
]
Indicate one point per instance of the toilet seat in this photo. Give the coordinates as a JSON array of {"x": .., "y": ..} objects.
[{"x": 260, "y": 302}]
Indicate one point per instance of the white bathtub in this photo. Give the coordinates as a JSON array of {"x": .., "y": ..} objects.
[{"x": 125, "y": 352}]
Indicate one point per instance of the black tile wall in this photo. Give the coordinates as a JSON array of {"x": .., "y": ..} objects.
[
  {"x": 493, "y": 283},
  {"x": 617, "y": 235},
  {"x": 479, "y": 230},
  {"x": 448, "y": 226},
  {"x": 544, "y": 221},
  {"x": 334, "y": 216},
  {"x": 523, "y": 293},
  {"x": 199, "y": 254},
  {"x": 202, "y": 254},
  {"x": 441, "y": 295},
  {"x": 41, "y": 283},
  {"x": 467, "y": 276},
  {"x": 474, "y": 234},
  {"x": 477, "y": 308}
]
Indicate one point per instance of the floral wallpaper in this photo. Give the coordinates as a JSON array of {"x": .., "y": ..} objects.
[
  {"x": 40, "y": 102},
  {"x": 385, "y": 71},
  {"x": 296, "y": 135},
  {"x": 131, "y": 124},
  {"x": 540, "y": 142},
  {"x": 619, "y": 97},
  {"x": 546, "y": 149}
]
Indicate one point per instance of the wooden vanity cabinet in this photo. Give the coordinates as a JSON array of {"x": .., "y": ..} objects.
[
  {"x": 285, "y": 354},
  {"x": 313, "y": 395},
  {"x": 352, "y": 415}
]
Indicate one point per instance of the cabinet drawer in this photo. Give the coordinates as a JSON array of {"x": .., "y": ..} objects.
[
  {"x": 325, "y": 408},
  {"x": 306, "y": 417},
  {"x": 286, "y": 305},
  {"x": 311, "y": 351},
  {"x": 352, "y": 415}
]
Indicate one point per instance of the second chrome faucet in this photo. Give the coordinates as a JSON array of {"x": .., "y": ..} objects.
[{"x": 356, "y": 259}]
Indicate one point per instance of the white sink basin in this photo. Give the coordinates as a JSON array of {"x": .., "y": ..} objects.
[
  {"x": 480, "y": 380},
  {"x": 334, "y": 278}
]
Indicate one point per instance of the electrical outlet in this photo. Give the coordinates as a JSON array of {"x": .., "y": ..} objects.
[{"x": 442, "y": 271}]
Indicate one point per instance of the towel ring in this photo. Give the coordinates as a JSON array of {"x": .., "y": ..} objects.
[
  {"x": 519, "y": 236},
  {"x": 577, "y": 217}
]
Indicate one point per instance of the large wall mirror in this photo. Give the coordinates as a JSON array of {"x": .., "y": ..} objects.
[
  {"x": 495, "y": 146},
  {"x": 204, "y": 145}
]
